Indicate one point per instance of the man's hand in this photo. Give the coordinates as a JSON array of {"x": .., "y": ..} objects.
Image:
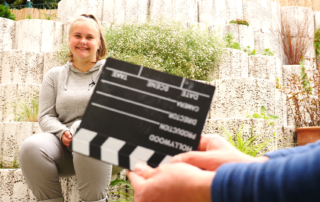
[
  {"x": 66, "y": 138},
  {"x": 213, "y": 151},
  {"x": 177, "y": 182}
]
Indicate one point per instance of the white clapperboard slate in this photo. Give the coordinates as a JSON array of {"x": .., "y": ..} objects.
[{"x": 137, "y": 114}]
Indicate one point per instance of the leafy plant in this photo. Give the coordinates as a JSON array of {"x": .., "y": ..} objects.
[
  {"x": 127, "y": 191},
  {"x": 230, "y": 43},
  {"x": 239, "y": 22},
  {"x": 190, "y": 52},
  {"x": 249, "y": 51},
  {"x": 27, "y": 111},
  {"x": 49, "y": 16},
  {"x": 6, "y": 13},
  {"x": 317, "y": 42},
  {"x": 268, "y": 52},
  {"x": 278, "y": 84},
  {"x": 248, "y": 146},
  {"x": 264, "y": 115},
  {"x": 295, "y": 46},
  {"x": 303, "y": 98},
  {"x": 12, "y": 165}
]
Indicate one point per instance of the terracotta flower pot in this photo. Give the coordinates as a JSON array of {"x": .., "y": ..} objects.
[{"x": 307, "y": 135}]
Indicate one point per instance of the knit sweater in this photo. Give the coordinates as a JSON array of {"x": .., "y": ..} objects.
[
  {"x": 291, "y": 175},
  {"x": 64, "y": 95}
]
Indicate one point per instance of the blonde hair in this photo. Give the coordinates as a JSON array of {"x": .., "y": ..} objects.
[{"x": 102, "y": 51}]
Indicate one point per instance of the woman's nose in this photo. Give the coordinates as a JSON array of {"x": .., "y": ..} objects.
[{"x": 83, "y": 40}]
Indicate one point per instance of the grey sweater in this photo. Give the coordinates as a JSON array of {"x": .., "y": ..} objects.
[{"x": 64, "y": 96}]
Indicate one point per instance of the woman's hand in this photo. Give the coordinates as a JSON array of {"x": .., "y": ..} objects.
[
  {"x": 66, "y": 138},
  {"x": 213, "y": 151}
]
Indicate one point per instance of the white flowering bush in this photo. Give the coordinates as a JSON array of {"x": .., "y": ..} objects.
[{"x": 169, "y": 47}]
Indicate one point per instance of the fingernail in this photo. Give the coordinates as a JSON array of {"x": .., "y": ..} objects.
[
  {"x": 176, "y": 159},
  {"x": 139, "y": 168}
]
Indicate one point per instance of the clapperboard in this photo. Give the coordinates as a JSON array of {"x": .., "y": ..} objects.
[{"x": 137, "y": 114}]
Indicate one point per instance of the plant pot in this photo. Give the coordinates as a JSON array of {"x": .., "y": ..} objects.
[{"x": 307, "y": 135}]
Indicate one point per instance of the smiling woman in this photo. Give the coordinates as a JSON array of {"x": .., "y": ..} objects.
[{"x": 64, "y": 95}]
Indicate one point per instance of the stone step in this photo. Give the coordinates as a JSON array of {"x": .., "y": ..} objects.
[
  {"x": 12, "y": 94},
  {"x": 237, "y": 64},
  {"x": 7, "y": 33},
  {"x": 12, "y": 134},
  {"x": 242, "y": 34},
  {"x": 38, "y": 35},
  {"x": 239, "y": 97},
  {"x": 69, "y": 9},
  {"x": 13, "y": 187},
  {"x": 21, "y": 66},
  {"x": 219, "y": 12}
]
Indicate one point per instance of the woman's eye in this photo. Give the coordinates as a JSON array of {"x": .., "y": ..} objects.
[{"x": 90, "y": 37}]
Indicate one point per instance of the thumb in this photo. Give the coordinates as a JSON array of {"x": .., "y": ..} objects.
[{"x": 203, "y": 160}]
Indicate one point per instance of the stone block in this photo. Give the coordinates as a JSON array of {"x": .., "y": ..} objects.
[
  {"x": 280, "y": 108},
  {"x": 12, "y": 135},
  {"x": 265, "y": 67},
  {"x": 51, "y": 59},
  {"x": 68, "y": 10},
  {"x": 234, "y": 10},
  {"x": 298, "y": 18},
  {"x": 125, "y": 11},
  {"x": 13, "y": 93},
  {"x": 13, "y": 187},
  {"x": 212, "y": 12},
  {"x": 38, "y": 35},
  {"x": 7, "y": 33},
  {"x": 184, "y": 11},
  {"x": 241, "y": 33},
  {"x": 317, "y": 20},
  {"x": 259, "y": 127},
  {"x": 239, "y": 97},
  {"x": 262, "y": 15},
  {"x": 271, "y": 40},
  {"x": 20, "y": 66},
  {"x": 285, "y": 136},
  {"x": 233, "y": 65}
]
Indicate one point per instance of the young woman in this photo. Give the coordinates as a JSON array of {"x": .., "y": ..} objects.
[{"x": 64, "y": 95}]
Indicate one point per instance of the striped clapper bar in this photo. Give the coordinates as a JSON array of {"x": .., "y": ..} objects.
[{"x": 117, "y": 152}]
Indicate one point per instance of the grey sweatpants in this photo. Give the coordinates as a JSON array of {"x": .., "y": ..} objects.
[{"x": 43, "y": 159}]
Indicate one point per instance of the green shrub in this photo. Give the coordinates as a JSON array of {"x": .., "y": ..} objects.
[
  {"x": 264, "y": 115},
  {"x": 317, "y": 42},
  {"x": 230, "y": 43},
  {"x": 27, "y": 111},
  {"x": 126, "y": 190},
  {"x": 239, "y": 22},
  {"x": 249, "y": 146},
  {"x": 169, "y": 47},
  {"x": 6, "y": 13}
]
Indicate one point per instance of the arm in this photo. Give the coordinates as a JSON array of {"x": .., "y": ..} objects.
[
  {"x": 292, "y": 151},
  {"x": 292, "y": 178},
  {"x": 48, "y": 120}
]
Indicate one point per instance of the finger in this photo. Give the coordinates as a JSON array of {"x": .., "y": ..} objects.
[
  {"x": 212, "y": 142},
  {"x": 199, "y": 159},
  {"x": 135, "y": 179},
  {"x": 143, "y": 170}
]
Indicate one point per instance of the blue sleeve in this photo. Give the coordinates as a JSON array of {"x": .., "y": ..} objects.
[
  {"x": 292, "y": 151},
  {"x": 290, "y": 178}
]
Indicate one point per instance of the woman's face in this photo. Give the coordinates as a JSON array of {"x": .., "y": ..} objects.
[{"x": 84, "y": 41}]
